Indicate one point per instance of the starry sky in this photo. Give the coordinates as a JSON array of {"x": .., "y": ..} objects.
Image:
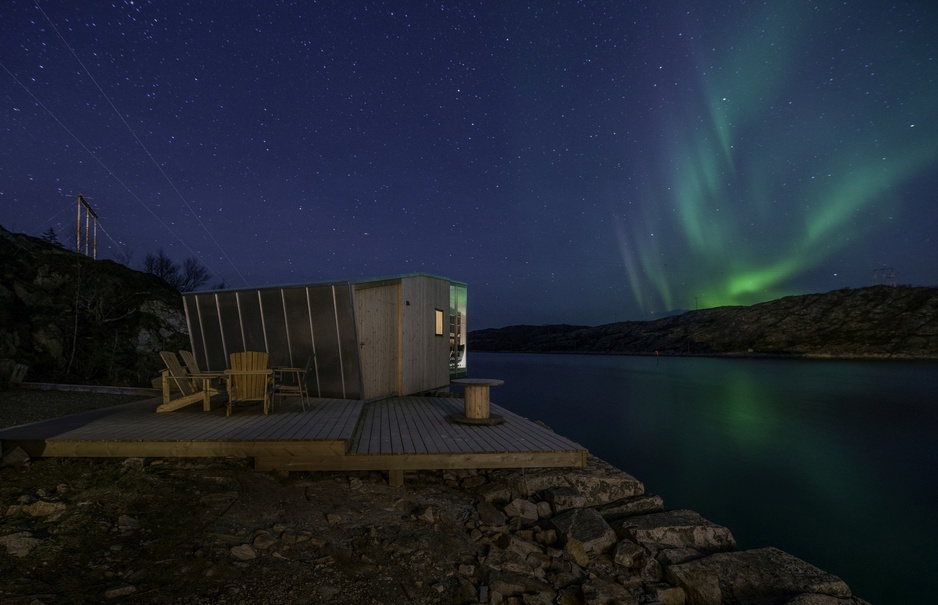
[{"x": 573, "y": 162}]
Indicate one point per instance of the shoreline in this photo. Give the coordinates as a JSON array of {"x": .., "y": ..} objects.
[
  {"x": 589, "y": 535},
  {"x": 736, "y": 355}
]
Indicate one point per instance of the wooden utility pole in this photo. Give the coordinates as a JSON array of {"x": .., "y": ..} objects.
[{"x": 89, "y": 214}]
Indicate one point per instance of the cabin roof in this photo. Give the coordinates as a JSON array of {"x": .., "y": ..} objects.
[{"x": 362, "y": 280}]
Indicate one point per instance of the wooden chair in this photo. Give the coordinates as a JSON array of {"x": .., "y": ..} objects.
[
  {"x": 192, "y": 387},
  {"x": 192, "y": 366},
  {"x": 292, "y": 381},
  {"x": 249, "y": 379}
]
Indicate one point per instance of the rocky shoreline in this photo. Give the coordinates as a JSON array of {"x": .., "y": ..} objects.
[
  {"x": 216, "y": 531},
  {"x": 207, "y": 530}
]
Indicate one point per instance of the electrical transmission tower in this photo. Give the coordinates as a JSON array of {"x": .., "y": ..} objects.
[{"x": 90, "y": 216}]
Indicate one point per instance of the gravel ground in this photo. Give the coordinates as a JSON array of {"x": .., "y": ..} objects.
[
  {"x": 214, "y": 531},
  {"x": 22, "y": 406}
]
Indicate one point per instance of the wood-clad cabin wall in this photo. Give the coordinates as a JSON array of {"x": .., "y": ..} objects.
[
  {"x": 425, "y": 355},
  {"x": 378, "y": 317}
]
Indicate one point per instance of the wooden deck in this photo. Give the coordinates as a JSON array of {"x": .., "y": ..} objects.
[{"x": 401, "y": 433}]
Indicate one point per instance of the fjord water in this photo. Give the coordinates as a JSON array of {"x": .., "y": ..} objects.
[{"x": 835, "y": 462}]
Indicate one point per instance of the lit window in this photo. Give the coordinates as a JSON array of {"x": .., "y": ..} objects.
[{"x": 439, "y": 322}]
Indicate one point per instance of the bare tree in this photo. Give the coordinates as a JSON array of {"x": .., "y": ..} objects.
[
  {"x": 194, "y": 274},
  {"x": 163, "y": 267},
  {"x": 189, "y": 276}
]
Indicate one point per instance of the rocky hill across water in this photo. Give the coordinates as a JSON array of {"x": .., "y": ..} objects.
[
  {"x": 879, "y": 322},
  {"x": 73, "y": 319}
]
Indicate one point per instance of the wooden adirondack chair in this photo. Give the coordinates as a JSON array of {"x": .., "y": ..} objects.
[
  {"x": 192, "y": 387},
  {"x": 249, "y": 379},
  {"x": 192, "y": 366}
]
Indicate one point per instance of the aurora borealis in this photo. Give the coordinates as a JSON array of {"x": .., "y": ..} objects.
[
  {"x": 801, "y": 151},
  {"x": 573, "y": 162}
]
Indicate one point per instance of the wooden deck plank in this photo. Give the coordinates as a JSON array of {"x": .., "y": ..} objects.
[
  {"x": 213, "y": 425},
  {"x": 202, "y": 426},
  {"x": 311, "y": 422},
  {"x": 329, "y": 421},
  {"x": 278, "y": 425},
  {"x": 400, "y": 434},
  {"x": 304, "y": 424},
  {"x": 324, "y": 422},
  {"x": 432, "y": 417},
  {"x": 401, "y": 409},
  {"x": 365, "y": 428},
  {"x": 384, "y": 429},
  {"x": 538, "y": 434},
  {"x": 387, "y": 430},
  {"x": 350, "y": 418},
  {"x": 317, "y": 421},
  {"x": 321, "y": 417},
  {"x": 345, "y": 416},
  {"x": 132, "y": 427},
  {"x": 394, "y": 429},
  {"x": 416, "y": 438},
  {"x": 434, "y": 414},
  {"x": 535, "y": 441},
  {"x": 497, "y": 438},
  {"x": 394, "y": 434},
  {"x": 387, "y": 436},
  {"x": 368, "y": 430},
  {"x": 430, "y": 436}
]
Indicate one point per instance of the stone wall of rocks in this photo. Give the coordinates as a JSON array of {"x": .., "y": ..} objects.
[
  {"x": 589, "y": 536},
  {"x": 593, "y": 536}
]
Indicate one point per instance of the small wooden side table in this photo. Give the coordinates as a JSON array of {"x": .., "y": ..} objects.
[{"x": 477, "y": 401}]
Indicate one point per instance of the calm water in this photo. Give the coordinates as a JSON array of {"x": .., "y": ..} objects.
[{"x": 834, "y": 462}]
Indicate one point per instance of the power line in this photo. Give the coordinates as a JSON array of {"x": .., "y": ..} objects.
[
  {"x": 103, "y": 165},
  {"x": 147, "y": 151}
]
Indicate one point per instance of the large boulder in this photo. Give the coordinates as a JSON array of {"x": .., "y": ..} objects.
[
  {"x": 599, "y": 482},
  {"x": 586, "y": 526},
  {"x": 677, "y": 529},
  {"x": 629, "y": 507},
  {"x": 764, "y": 575}
]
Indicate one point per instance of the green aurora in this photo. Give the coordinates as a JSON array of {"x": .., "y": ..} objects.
[{"x": 771, "y": 171}]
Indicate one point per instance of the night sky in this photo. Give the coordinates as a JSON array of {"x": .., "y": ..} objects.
[{"x": 573, "y": 162}]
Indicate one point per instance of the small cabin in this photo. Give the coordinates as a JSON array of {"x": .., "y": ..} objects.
[{"x": 366, "y": 339}]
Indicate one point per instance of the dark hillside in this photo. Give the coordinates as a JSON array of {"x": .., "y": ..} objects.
[
  {"x": 874, "y": 322},
  {"x": 73, "y": 319}
]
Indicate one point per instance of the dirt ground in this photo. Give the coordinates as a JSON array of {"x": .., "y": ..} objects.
[{"x": 216, "y": 531}]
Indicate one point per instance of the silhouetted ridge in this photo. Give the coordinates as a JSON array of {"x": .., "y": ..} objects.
[{"x": 874, "y": 322}]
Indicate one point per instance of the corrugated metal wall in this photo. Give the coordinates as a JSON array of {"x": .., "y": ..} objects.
[{"x": 290, "y": 324}]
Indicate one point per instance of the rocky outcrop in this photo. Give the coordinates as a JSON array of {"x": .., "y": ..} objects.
[
  {"x": 602, "y": 540},
  {"x": 763, "y": 575},
  {"x": 875, "y": 322},
  {"x": 72, "y": 319},
  {"x": 227, "y": 533}
]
